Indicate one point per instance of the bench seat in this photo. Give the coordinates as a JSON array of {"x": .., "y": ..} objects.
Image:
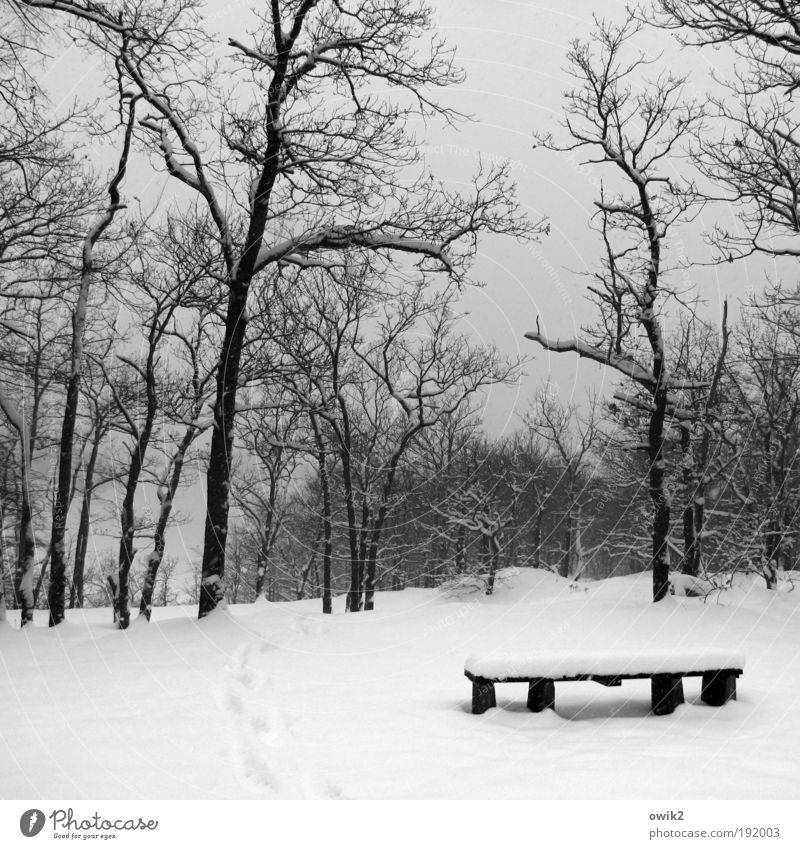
[{"x": 666, "y": 668}]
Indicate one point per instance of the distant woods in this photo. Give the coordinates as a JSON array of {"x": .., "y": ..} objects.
[{"x": 276, "y": 342}]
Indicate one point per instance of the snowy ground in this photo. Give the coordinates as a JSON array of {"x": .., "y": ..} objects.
[{"x": 275, "y": 700}]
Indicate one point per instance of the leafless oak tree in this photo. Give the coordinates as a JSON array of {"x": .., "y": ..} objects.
[{"x": 634, "y": 132}]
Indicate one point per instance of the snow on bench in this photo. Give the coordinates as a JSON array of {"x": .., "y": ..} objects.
[{"x": 665, "y": 668}]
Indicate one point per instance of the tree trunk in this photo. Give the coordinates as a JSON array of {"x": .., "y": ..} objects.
[
  {"x": 659, "y": 496},
  {"x": 461, "y": 551},
  {"x": 369, "y": 583},
  {"x": 690, "y": 486},
  {"x": 113, "y": 592},
  {"x": 126, "y": 553},
  {"x": 772, "y": 552},
  {"x": 166, "y": 500},
  {"x": 694, "y": 557},
  {"x": 494, "y": 558},
  {"x": 578, "y": 553},
  {"x": 154, "y": 560},
  {"x": 353, "y": 602},
  {"x": 566, "y": 559},
  {"x": 127, "y": 517},
  {"x": 40, "y": 580},
  {"x": 363, "y": 536},
  {"x": 26, "y": 554},
  {"x": 380, "y": 521},
  {"x": 268, "y": 538},
  {"x": 327, "y": 527},
  {"x": 262, "y": 565},
  {"x": 537, "y": 538},
  {"x": 696, "y": 562},
  {"x": 310, "y": 564},
  {"x": 212, "y": 590},
  {"x": 3, "y": 578},
  {"x": 220, "y": 461},
  {"x": 58, "y": 553},
  {"x": 82, "y": 541},
  {"x": 3, "y": 571}
]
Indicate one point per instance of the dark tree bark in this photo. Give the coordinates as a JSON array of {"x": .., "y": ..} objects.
[
  {"x": 658, "y": 494},
  {"x": 26, "y": 555},
  {"x": 353, "y": 600},
  {"x": 537, "y": 535},
  {"x": 327, "y": 525},
  {"x": 566, "y": 558},
  {"x": 691, "y": 553},
  {"x": 494, "y": 560},
  {"x": 221, "y": 453},
  {"x": 82, "y": 539},
  {"x": 460, "y": 564},
  {"x": 43, "y": 570},
  {"x": 128, "y": 523}
]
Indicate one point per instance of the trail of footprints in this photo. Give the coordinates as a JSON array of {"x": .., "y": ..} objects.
[{"x": 260, "y": 733}]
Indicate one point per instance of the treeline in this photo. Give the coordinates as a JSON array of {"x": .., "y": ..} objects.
[
  {"x": 567, "y": 491},
  {"x": 284, "y": 326}
]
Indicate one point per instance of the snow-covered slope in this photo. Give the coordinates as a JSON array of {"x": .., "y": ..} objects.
[{"x": 275, "y": 700}]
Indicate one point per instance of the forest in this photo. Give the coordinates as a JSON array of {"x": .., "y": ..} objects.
[{"x": 275, "y": 345}]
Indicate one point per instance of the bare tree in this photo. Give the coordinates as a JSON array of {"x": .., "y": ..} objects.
[
  {"x": 28, "y": 373},
  {"x": 186, "y": 406},
  {"x": 270, "y": 440},
  {"x": 573, "y": 439},
  {"x": 156, "y": 293},
  {"x": 441, "y": 461},
  {"x": 476, "y": 509},
  {"x": 430, "y": 379},
  {"x": 766, "y": 480},
  {"x": 532, "y": 483},
  {"x": 754, "y": 157},
  {"x": 45, "y": 193},
  {"x": 635, "y": 132},
  {"x": 373, "y": 396},
  {"x": 100, "y": 415},
  {"x": 58, "y": 554},
  {"x": 704, "y": 424},
  {"x": 165, "y": 594}
]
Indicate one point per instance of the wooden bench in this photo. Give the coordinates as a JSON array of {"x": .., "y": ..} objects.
[{"x": 666, "y": 670}]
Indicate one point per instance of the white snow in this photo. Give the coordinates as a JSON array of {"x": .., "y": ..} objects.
[
  {"x": 566, "y": 663},
  {"x": 279, "y": 701}
]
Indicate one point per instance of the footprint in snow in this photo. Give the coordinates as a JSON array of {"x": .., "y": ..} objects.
[
  {"x": 260, "y": 733},
  {"x": 309, "y": 627},
  {"x": 255, "y": 727}
]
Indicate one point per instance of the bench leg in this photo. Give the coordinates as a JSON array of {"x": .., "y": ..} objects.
[
  {"x": 666, "y": 693},
  {"x": 718, "y": 688},
  {"x": 483, "y": 696},
  {"x": 541, "y": 694}
]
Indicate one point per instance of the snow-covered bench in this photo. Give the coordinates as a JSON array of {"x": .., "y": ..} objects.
[{"x": 665, "y": 668}]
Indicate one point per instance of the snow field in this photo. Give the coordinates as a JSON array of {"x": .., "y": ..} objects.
[{"x": 279, "y": 701}]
